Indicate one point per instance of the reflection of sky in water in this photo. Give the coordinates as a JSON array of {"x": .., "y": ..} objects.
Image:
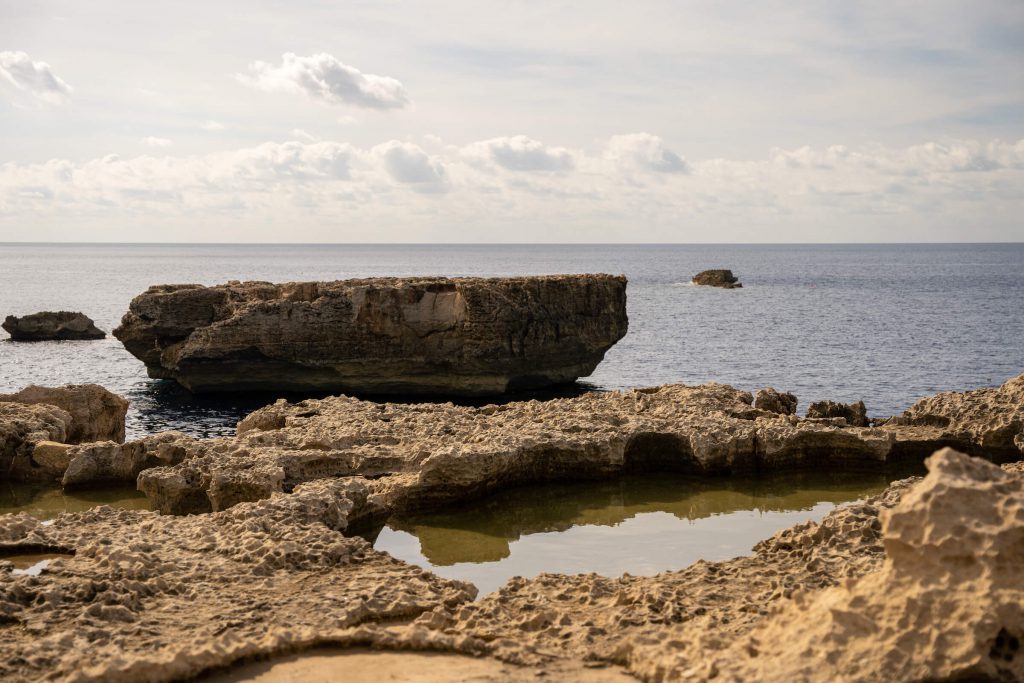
[{"x": 646, "y": 544}]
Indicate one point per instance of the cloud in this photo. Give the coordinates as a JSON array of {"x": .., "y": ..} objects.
[
  {"x": 156, "y": 142},
  {"x": 300, "y": 134},
  {"x": 408, "y": 163},
  {"x": 34, "y": 80},
  {"x": 212, "y": 126},
  {"x": 323, "y": 77},
  {"x": 520, "y": 153},
  {"x": 869, "y": 192},
  {"x": 645, "y": 152}
]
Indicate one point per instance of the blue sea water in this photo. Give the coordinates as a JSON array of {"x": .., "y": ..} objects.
[{"x": 884, "y": 323}]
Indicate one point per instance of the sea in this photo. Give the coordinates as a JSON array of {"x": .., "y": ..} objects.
[{"x": 886, "y": 324}]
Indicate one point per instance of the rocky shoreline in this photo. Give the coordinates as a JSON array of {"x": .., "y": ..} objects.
[{"x": 251, "y": 558}]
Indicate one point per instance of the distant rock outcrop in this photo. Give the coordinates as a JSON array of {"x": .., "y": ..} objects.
[
  {"x": 718, "y": 277},
  {"x": 50, "y": 325},
  {"x": 445, "y": 336}
]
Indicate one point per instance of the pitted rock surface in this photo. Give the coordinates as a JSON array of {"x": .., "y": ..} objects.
[
  {"x": 423, "y": 454},
  {"x": 136, "y": 596},
  {"x": 448, "y": 336},
  {"x": 97, "y": 414}
]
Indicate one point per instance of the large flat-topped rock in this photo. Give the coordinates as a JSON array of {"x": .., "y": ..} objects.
[{"x": 449, "y": 336}]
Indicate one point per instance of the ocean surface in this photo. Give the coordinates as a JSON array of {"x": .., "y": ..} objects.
[{"x": 884, "y": 323}]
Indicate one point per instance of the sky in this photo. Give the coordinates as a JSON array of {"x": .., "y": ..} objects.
[{"x": 513, "y": 121}]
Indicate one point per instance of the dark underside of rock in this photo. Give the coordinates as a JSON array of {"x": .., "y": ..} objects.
[
  {"x": 441, "y": 336},
  {"x": 49, "y": 325},
  {"x": 717, "y": 278}
]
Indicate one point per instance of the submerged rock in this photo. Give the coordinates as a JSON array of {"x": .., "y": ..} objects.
[
  {"x": 719, "y": 277},
  {"x": 855, "y": 414},
  {"x": 449, "y": 336},
  {"x": 51, "y": 325},
  {"x": 97, "y": 414}
]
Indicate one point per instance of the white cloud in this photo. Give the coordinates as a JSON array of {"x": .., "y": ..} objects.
[
  {"x": 300, "y": 134},
  {"x": 212, "y": 126},
  {"x": 323, "y": 77},
  {"x": 520, "y": 153},
  {"x": 152, "y": 141},
  {"x": 34, "y": 80},
  {"x": 927, "y": 191},
  {"x": 408, "y": 163},
  {"x": 646, "y": 152}
]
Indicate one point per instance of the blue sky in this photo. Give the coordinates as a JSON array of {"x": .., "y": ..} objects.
[{"x": 512, "y": 121}]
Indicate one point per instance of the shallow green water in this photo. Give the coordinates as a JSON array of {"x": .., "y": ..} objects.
[
  {"x": 636, "y": 525},
  {"x": 46, "y": 502}
]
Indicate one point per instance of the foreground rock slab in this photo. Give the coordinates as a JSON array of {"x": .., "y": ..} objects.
[
  {"x": 131, "y": 595},
  {"x": 51, "y": 325},
  {"x": 449, "y": 336},
  {"x": 414, "y": 455}
]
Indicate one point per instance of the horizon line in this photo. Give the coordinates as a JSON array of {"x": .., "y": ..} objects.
[{"x": 498, "y": 244}]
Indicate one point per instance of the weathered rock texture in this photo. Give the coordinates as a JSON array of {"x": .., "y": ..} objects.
[
  {"x": 96, "y": 414},
  {"x": 105, "y": 462},
  {"x": 772, "y": 401},
  {"x": 418, "y": 455},
  {"x": 992, "y": 419},
  {"x": 459, "y": 336},
  {"x": 717, "y": 278},
  {"x": 52, "y": 325},
  {"x": 135, "y": 596},
  {"x": 21, "y": 428},
  {"x": 855, "y": 414}
]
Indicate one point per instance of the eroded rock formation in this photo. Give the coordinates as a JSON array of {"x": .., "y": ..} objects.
[
  {"x": 21, "y": 428},
  {"x": 718, "y": 277},
  {"x": 458, "y": 336},
  {"x": 770, "y": 400},
  {"x": 855, "y": 414},
  {"x": 96, "y": 414},
  {"x": 51, "y": 325},
  {"x": 422, "y": 454}
]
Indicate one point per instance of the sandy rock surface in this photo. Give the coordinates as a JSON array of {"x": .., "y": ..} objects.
[
  {"x": 133, "y": 595},
  {"x": 423, "y": 454},
  {"x": 97, "y": 414},
  {"x": 51, "y": 325},
  {"x": 458, "y": 336}
]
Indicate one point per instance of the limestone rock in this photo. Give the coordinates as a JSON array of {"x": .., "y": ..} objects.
[
  {"x": 717, "y": 278},
  {"x": 104, "y": 462},
  {"x": 97, "y": 414},
  {"x": 989, "y": 420},
  {"x": 51, "y": 325},
  {"x": 947, "y": 604},
  {"x": 136, "y": 596},
  {"x": 52, "y": 456},
  {"x": 423, "y": 454},
  {"x": 772, "y": 401},
  {"x": 855, "y": 414},
  {"x": 451, "y": 336},
  {"x": 21, "y": 428}
]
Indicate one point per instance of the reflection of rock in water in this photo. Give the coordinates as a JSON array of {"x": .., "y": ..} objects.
[
  {"x": 481, "y": 532},
  {"x": 46, "y": 502}
]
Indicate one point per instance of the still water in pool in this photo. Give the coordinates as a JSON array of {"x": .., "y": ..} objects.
[
  {"x": 46, "y": 502},
  {"x": 636, "y": 525}
]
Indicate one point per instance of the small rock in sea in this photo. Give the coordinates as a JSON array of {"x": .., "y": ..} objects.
[
  {"x": 717, "y": 278},
  {"x": 50, "y": 325}
]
